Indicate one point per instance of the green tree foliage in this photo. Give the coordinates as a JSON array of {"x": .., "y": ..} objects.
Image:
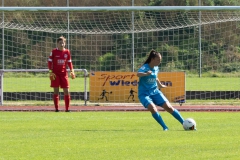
[
  {"x": 220, "y": 3},
  {"x": 109, "y": 62}
]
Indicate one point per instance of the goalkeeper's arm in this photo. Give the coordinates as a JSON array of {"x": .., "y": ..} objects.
[
  {"x": 72, "y": 74},
  {"x": 52, "y": 76}
]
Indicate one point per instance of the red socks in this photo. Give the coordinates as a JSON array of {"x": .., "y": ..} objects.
[
  {"x": 67, "y": 102},
  {"x": 56, "y": 101}
]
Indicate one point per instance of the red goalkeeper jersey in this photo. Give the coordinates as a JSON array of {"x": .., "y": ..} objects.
[{"x": 59, "y": 60}]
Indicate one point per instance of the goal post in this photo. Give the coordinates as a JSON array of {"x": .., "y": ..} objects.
[{"x": 118, "y": 38}]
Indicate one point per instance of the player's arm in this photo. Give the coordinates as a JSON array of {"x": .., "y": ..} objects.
[
  {"x": 52, "y": 76},
  {"x": 160, "y": 85},
  {"x": 141, "y": 74},
  {"x": 70, "y": 65}
]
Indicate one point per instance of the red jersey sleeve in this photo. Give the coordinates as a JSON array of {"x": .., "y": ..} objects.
[
  {"x": 50, "y": 61},
  {"x": 70, "y": 65}
]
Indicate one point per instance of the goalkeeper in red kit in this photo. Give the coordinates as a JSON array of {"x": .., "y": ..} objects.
[{"x": 59, "y": 60}]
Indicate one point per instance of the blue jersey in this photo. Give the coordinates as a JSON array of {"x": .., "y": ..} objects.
[{"x": 148, "y": 83}]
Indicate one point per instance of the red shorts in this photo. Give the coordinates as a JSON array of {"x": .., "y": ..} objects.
[{"x": 60, "y": 81}]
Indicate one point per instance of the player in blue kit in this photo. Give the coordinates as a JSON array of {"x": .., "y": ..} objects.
[{"x": 149, "y": 94}]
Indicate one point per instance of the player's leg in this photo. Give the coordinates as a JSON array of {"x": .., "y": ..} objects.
[
  {"x": 153, "y": 109},
  {"x": 169, "y": 108},
  {"x": 147, "y": 103},
  {"x": 65, "y": 85},
  {"x": 55, "y": 86},
  {"x": 161, "y": 100},
  {"x": 67, "y": 99},
  {"x": 56, "y": 98}
]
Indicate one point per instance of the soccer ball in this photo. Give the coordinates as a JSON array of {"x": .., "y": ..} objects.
[{"x": 189, "y": 124}]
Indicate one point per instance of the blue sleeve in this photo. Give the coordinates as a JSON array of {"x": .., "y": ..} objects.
[
  {"x": 156, "y": 70},
  {"x": 143, "y": 69}
]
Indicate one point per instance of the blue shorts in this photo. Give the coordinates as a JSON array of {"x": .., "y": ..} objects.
[{"x": 158, "y": 99}]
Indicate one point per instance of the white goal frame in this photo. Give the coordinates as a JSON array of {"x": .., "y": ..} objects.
[
  {"x": 40, "y": 70},
  {"x": 124, "y": 8},
  {"x": 104, "y": 9}
]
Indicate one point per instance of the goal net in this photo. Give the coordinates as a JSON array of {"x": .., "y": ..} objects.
[{"x": 204, "y": 43}]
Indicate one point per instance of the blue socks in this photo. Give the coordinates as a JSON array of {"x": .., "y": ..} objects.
[
  {"x": 178, "y": 116},
  {"x": 159, "y": 119}
]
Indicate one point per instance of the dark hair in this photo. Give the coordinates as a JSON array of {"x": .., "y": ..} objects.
[
  {"x": 61, "y": 39},
  {"x": 151, "y": 55}
]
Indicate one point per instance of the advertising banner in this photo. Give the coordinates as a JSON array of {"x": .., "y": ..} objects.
[{"x": 122, "y": 87}]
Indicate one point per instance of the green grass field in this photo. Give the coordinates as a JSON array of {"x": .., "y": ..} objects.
[
  {"x": 212, "y": 84},
  {"x": 117, "y": 135},
  {"x": 42, "y": 84}
]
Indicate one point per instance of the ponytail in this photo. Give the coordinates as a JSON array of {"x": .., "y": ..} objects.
[{"x": 151, "y": 55}]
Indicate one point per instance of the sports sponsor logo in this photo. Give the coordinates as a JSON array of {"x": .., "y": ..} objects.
[
  {"x": 123, "y": 83},
  {"x": 151, "y": 80},
  {"x": 119, "y": 85},
  {"x": 118, "y": 79},
  {"x": 167, "y": 83},
  {"x": 180, "y": 99},
  {"x": 60, "y": 61}
]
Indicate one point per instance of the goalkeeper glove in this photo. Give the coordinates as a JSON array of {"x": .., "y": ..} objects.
[
  {"x": 72, "y": 74},
  {"x": 52, "y": 76}
]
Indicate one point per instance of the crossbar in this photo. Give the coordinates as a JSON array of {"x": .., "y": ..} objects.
[{"x": 123, "y": 8}]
